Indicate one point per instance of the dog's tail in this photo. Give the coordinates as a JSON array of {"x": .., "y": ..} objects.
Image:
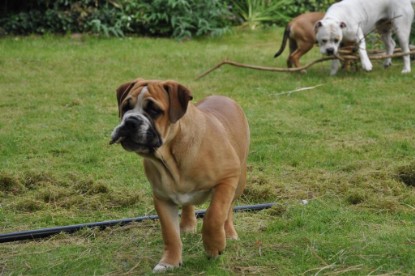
[{"x": 284, "y": 40}]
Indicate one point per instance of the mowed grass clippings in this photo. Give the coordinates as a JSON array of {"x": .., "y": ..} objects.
[{"x": 336, "y": 157}]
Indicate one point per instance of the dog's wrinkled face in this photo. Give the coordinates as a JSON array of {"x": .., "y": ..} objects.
[
  {"x": 137, "y": 131},
  {"x": 146, "y": 109},
  {"x": 329, "y": 34}
]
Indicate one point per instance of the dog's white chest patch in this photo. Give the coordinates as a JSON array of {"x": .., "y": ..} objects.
[{"x": 196, "y": 197}]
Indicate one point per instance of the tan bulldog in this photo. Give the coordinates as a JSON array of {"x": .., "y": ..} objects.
[
  {"x": 300, "y": 33},
  {"x": 191, "y": 153}
]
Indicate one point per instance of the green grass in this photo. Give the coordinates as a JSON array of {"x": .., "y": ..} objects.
[{"x": 347, "y": 146}]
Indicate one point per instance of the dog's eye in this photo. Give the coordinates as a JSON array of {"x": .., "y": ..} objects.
[
  {"x": 324, "y": 41},
  {"x": 153, "y": 110},
  {"x": 336, "y": 41},
  {"x": 126, "y": 106}
]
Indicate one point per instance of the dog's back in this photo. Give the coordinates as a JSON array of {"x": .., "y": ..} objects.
[
  {"x": 232, "y": 117},
  {"x": 234, "y": 121}
]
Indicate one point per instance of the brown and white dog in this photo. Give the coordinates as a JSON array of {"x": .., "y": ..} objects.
[
  {"x": 301, "y": 35},
  {"x": 191, "y": 153}
]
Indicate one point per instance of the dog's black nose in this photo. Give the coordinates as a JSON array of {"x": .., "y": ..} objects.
[
  {"x": 130, "y": 125},
  {"x": 132, "y": 122},
  {"x": 330, "y": 51}
]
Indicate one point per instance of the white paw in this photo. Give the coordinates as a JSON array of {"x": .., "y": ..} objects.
[
  {"x": 406, "y": 71},
  {"x": 367, "y": 66},
  {"x": 162, "y": 267}
]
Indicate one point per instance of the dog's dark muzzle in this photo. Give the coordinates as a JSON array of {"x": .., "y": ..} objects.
[
  {"x": 136, "y": 134},
  {"x": 330, "y": 51}
]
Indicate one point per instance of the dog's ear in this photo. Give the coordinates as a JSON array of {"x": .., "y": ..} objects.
[
  {"x": 317, "y": 26},
  {"x": 179, "y": 97},
  {"x": 342, "y": 25},
  {"x": 122, "y": 93}
]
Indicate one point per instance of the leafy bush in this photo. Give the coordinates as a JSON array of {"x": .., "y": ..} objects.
[
  {"x": 301, "y": 6},
  {"x": 253, "y": 13},
  {"x": 177, "y": 18},
  {"x": 65, "y": 16}
]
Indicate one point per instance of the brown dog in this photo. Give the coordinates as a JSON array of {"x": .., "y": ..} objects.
[
  {"x": 301, "y": 35},
  {"x": 191, "y": 153}
]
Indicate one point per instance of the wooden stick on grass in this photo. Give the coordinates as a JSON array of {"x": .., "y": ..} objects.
[
  {"x": 348, "y": 57},
  {"x": 263, "y": 68}
]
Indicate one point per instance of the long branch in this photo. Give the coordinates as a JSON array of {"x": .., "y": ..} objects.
[{"x": 349, "y": 57}]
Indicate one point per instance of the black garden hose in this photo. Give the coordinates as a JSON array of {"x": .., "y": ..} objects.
[{"x": 46, "y": 232}]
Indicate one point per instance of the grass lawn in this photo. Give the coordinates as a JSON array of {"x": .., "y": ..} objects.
[{"x": 346, "y": 146}]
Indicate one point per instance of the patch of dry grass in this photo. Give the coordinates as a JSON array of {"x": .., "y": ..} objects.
[
  {"x": 383, "y": 188},
  {"x": 406, "y": 174},
  {"x": 46, "y": 195},
  {"x": 72, "y": 192}
]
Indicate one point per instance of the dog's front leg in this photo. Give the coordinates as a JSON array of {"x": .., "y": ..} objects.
[
  {"x": 169, "y": 220},
  {"x": 213, "y": 230},
  {"x": 364, "y": 58},
  {"x": 335, "y": 64}
]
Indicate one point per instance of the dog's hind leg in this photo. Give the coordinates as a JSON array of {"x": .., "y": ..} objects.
[
  {"x": 389, "y": 46},
  {"x": 293, "y": 48},
  {"x": 384, "y": 27},
  {"x": 188, "y": 220},
  {"x": 229, "y": 227},
  {"x": 303, "y": 48},
  {"x": 402, "y": 25}
]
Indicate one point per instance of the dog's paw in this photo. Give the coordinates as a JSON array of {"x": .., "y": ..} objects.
[
  {"x": 387, "y": 64},
  {"x": 406, "y": 71},
  {"x": 188, "y": 229},
  {"x": 214, "y": 250},
  {"x": 213, "y": 254},
  {"x": 163, "y": 267},
  {"x": 230, "y": 232},
  {"x": 367, "y": 66},
  {"x": 333, "y": 72},
  {"x": 214, "y": 242}
]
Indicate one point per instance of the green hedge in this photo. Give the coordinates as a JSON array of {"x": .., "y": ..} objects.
[
  {"x": 170, "y": 18},
  {"x": 178, "y": 18}
]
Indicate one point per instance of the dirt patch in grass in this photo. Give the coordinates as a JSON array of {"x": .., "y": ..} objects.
[
  {"x": 277, "y": 210},
  {"x": 90, "y": 187},
  {"x": 33, "y": 180},
  {"x": 40, "y": 190},
  {"x": 356, "y": 196},
  {"x": 406, "y": 174},
  {"x": 10, "y": 184},
  {"x": 380, "y": 187},
  {"x": 260, "y": 187},
  {"x": 28, "y": 205}
]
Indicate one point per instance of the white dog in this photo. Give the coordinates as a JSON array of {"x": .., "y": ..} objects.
[{"x": 350, "y": 20}]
